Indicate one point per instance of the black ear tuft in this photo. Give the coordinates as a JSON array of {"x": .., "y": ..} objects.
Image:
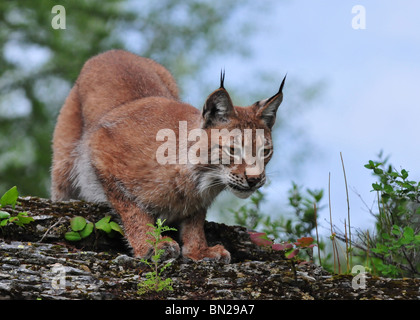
[
  {"x": 282, "y": 84},
  {"x": 222, "y": 78},
  {"x": 280, "y": 92},
  {"x": 267, "y": 109}
]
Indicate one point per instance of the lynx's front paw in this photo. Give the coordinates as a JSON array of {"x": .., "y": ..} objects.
[
  {"x": 171, "y": 250},
  {"x": 216, "y": 253},
  {"x": 146, "y": 250}
]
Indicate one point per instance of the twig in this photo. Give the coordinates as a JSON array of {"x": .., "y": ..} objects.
[
  {"x": 49, "y": 229},
  {"x": 329, "y": 200},
  {"x": 368, "y": 247},
  {"x": 348, "y": 208},
  {"x": 335, "y": 249},
  {"x": 347, "y": 246},
  {"x": 369, "y": 209},
  {"x": 317, "y": 237}
]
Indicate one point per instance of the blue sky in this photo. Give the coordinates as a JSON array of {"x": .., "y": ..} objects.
[{"x": 371, "y": 98}]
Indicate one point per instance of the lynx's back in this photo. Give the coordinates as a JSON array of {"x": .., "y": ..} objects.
[
  {"x": 116, "y": 77},
  {"x": 106, "y": 81}
]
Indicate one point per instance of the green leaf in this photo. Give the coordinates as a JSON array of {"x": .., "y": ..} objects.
[
  {"x": 9, "y": 198},
  {"x": 380, "y": 249},
  {"x": 3, "y": 222},
  {"x": 103, "y": 224},
  {"x": 77, "y": 223},
  {"x": 13, "y": 219},
  {"x": 396, "y": 230},
  {"x": 23, "y": 219},
  {"x": 167, "y": 265},
  {"x": 408, "y": 234},
  {"x": 4, "y": 215},
  {"x": 394, "y": 174},
  {"x": 370, "y": 165},
  {"x": 404, "y": 174},
  {"x": 408, "y": 186},
  {"x": 72, "y": 236},
  {"x": 388, "y": 188},
  {"x": 116, "y": 227},
  {"x": 87, "y": 230},
  {"x": 376, "y": 187},
  {"x": 385, "y": 236}
]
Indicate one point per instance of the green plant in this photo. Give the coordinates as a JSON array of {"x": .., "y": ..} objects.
[
  {"x": 10, "y": 198},
  {"x": 81, "y": 229},
  {"x": 302, "y": 224},
  {"x": 154, "y": 280},
  {"x": 396, "y": 246},
  {"x": 249, "y": 215}
]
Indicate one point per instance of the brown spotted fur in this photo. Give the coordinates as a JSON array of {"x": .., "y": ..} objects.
[{"x": 105, "y": 150}]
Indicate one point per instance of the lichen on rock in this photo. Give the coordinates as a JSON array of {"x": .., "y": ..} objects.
[{"x": 36, "y": 262}]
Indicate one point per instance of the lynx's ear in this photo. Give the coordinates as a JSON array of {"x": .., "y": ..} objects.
[
  {"x": 218, "y": 106},
  {"x": 267, "y": 108}
]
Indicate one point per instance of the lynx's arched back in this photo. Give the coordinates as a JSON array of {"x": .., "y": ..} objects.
[{"x": 123, "y": 137}]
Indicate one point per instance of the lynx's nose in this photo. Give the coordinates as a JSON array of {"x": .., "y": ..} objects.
[{"x": 253, "y": 181}]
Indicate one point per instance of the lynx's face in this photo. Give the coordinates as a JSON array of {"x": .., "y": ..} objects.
[
  {"x": 238, "y": 159},
  {"x": 240, "y": 144}
]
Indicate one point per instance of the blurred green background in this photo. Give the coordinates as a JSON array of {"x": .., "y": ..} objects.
[{"x": 39, "y": 64}]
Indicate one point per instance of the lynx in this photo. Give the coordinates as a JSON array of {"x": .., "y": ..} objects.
[{"x": 108, "y": 147}]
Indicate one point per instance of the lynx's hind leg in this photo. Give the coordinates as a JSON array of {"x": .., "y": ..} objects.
[{"x": 67, "y": 134}]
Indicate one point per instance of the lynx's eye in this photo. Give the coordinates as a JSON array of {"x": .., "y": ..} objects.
[
  {"x": 233, "y": 151},
  {"x": 266, "y": 152},
  {"x": 230, "y": 150}
]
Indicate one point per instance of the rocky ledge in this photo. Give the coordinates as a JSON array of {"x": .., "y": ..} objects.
[{"x": 36, "y": 262}]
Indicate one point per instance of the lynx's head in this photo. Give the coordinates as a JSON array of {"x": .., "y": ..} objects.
[{"x": 239, "y": 141}]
